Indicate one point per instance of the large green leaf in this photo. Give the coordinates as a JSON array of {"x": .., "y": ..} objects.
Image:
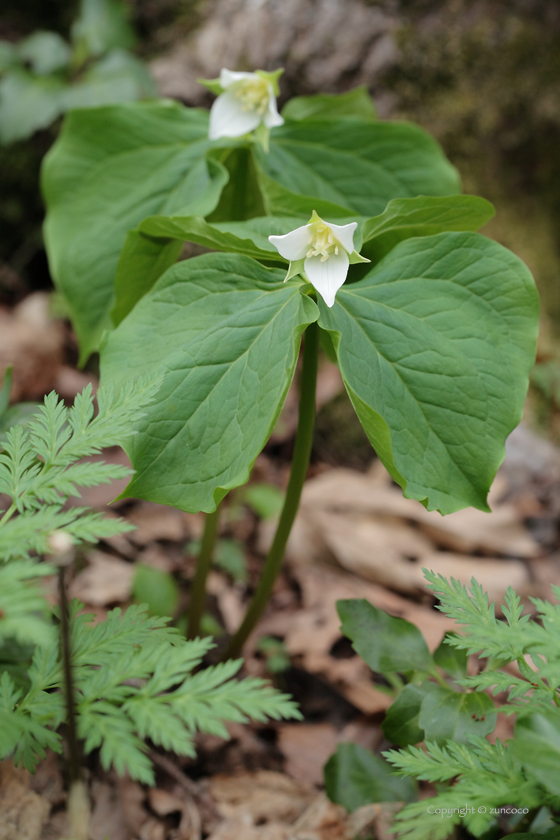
[
  {"x": 226, "y": 332},
  {"x": 110, "y": 168},
  {"x": 386, "y": 643},
  {"x": 537, "y": 745},
  {"x": 355, "y": 777},
  {"x": 422, "y": 216},
  {"x": 354, "y": 164},
  {"x": 354, "y": 103},
  {"x": 118, "y": 77},
  {"x": 155, "y": 245},
  {"x": 452, "y": 715},
  {"x": 435, "y": 346}
]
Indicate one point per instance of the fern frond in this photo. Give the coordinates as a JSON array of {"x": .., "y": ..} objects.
[
  {"x": 24, "y": 611},
  {"x": 133, "y": 680}
]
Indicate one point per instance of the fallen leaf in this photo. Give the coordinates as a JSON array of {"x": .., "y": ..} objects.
[
  {"x": 306, "y": 748},
  {"x": 157, "y": 522},
  {"x": 106, "y": 580},
  {"x": 23, "y": 813},
  {"x": 33, "y": 343}
]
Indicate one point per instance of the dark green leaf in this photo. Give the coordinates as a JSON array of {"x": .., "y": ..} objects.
[
  {"x": 407, "y": 217},
  {"x": 45, "y": 52},
  {"x": 401, "y": 725},
  {"x": 354, "y": 103},
  {"x": 142, "y": 261},
  {"x": 537, "y": 745},
  {"x": 110, "y": 168},
  {"x": 387, "y": 644},
  {"x": 155, "y": 588},
  {"x": 352, "y": 164},
  {"x": 435, "y": 346},
  {"x": 447, "y": 714},
  {"x": 355, "y": 777},
  {"x": 103, "y": 25},
  {"x": 228, "y": 348},
  {"x": 450, "y": 659}
]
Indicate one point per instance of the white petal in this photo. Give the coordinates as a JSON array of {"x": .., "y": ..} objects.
[
  {"x": 272, "y": 117},
  {"x": 228, "y": 77},
  {"x": 345, "y": 235},
  {"x": 328, "y": 276},
  {"x": 228, "y": 119},
  {"x": 293, "y": 245}
]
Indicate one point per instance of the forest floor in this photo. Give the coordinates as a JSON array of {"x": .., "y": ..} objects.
[{"x": 355, "y": 537}]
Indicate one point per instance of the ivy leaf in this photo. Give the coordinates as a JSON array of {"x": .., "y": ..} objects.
[
  {"x": 109, "y": 169},
  {"x": 452, "y": 715},
  {"x": 401, "y": 724},
  {"x": 387, "y": 644},
  {"x": 352, "y": 164},
  {"x": 229, "y": 349},
  {"x": 422, "y": 216},
  {"x": 450, "y": 659},
  {"x": 435, "y": 346},
  {"x": 353, "y": 103},
  {"x": 355, "y": 777}
]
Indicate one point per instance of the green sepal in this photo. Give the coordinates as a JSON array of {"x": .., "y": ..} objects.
[
  {"x": 213, "y": 85},
  {"x": 295, "y": 268},
  {"x": 271, "y": 77},
  {"x": 357, "y": 258},
  {"x": 261, "y": 136}
]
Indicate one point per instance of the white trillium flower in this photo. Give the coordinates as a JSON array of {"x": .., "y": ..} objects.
[
  {"x": 245, "y": 102},
  {"x": 322, "y": 252}
]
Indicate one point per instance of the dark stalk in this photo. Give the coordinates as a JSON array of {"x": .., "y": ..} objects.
[
  {"x": 300, "y": 464},
  {"x": 74, "y": 764}
]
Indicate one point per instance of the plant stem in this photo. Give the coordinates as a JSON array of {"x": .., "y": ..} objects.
[
  {"x": 204, "y": 562},
  {"x": 300, "y": 464},
  {"x": 74, "y": 766}
]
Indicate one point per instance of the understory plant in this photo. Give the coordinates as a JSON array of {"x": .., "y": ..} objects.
[
  {"x": 128, "y": 680},
  {"x": 326, "y": 226},
  {"x": 444, "y": 711},
  {"x": 43, "y": 76}
]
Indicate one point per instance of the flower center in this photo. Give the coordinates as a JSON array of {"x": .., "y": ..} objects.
[
  {"x": 253, "y": 94},
  {"x": 322, "y": 242}
]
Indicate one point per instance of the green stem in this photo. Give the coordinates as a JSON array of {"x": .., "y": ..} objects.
[
  {"x": 8, "y": 514},
  {"x": 300, "y": 464},
  {"x": 204, "y": 562}
]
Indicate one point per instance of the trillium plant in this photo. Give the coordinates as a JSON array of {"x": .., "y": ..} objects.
[{"x": 323, "y": 226}]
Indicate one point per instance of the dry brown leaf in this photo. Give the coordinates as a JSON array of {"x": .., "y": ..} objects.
[
  {"x": 306, "y": 747},
  {"x": 33, "y": 343},
  {"x": 499, "y": 532},
  {"x": 323, "y": 820},
  {"x": 264, "y": 796},
  {"x": 104, "y": 494},
  {"x": 157, "y": 522},
  {"x": 23, "y": 813},
  {"x": 106, "y": 580}
]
